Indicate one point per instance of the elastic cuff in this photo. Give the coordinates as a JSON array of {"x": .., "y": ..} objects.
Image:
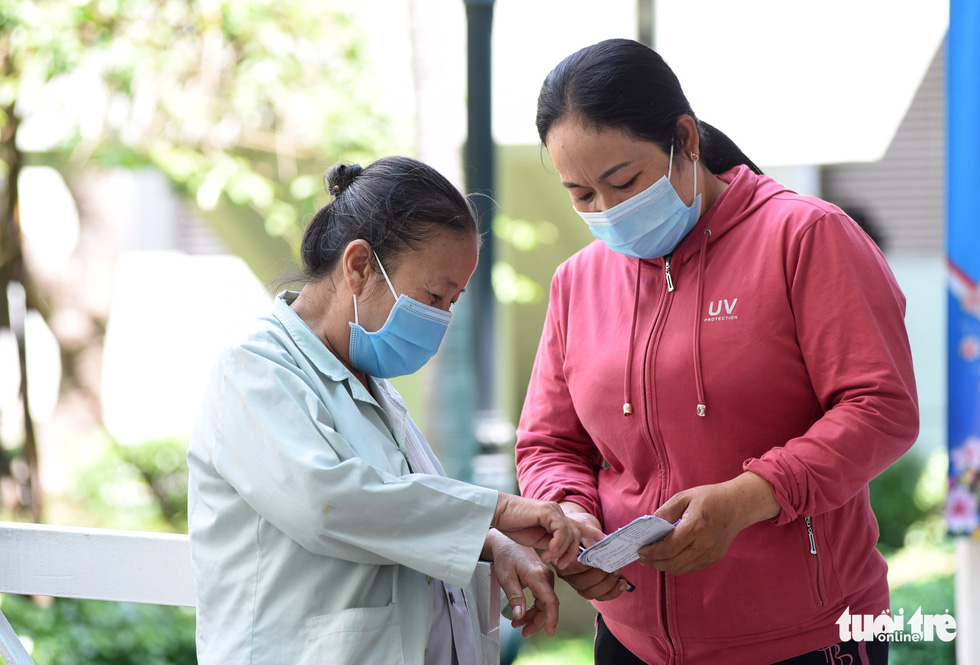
[
  {"x": 787, "y": 512},
  {"x": 586, "y": 502}
]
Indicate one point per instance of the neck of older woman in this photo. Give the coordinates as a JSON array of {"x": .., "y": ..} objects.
[{"x": 320, "y": 306}]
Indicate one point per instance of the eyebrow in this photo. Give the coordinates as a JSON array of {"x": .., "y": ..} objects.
[{"x": 609, "y": 172}]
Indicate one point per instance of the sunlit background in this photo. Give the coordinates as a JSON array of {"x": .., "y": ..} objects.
[{"x": 165, "y": 156}]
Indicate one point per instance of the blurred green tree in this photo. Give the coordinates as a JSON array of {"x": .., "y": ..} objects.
[{"x": 236, "y": 101}]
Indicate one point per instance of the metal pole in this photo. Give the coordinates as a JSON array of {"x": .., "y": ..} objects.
[
  {"x": 963, "y": 250},
  {"x": 478, "y": 166},
  {"x": 645, "y": 22}
]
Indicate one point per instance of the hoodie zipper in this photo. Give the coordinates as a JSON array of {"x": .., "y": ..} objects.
[
  {"x": 813, "y": 551},
  {"x": 654, "y": 338},
  {"x": 663, "y": 614}
]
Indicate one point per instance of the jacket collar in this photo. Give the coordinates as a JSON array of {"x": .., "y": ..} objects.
[
  {"x": 304, "y": 337},
  {"x": 328, "y": 364}
]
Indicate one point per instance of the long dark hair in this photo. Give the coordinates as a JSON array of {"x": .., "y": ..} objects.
[
  {"x": 396, "y": 204},
  {"x": 623, "y": 84}
]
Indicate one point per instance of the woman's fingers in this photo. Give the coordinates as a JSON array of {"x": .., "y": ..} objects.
[
  {"x": 591, "y": 534},
  {"x": 565, "y": 534},
  {"x": 518, "y": 568},
  {"x": 593, "y": 583},
  {"x": 576, "y": 529},
  {"x": 533, "y": 621},
  {"x": 710, "y": 518},
  {"x": 543, "y": 525},
  {"x": 541, "y": 584},
  {"x": 515, "y": 595}
]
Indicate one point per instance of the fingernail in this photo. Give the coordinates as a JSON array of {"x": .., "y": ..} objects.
[{"x": 518, "y": 611}]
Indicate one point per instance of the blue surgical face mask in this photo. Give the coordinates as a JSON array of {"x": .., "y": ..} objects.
[
  {"x": 409, "y": 338},
  {"x": 650, "y": 224}
]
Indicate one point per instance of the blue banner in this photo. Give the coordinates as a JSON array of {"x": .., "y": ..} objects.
[{"x": 963, "y": 248}]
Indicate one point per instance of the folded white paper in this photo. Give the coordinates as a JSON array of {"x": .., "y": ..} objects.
[{"x": 620, "y": 548}]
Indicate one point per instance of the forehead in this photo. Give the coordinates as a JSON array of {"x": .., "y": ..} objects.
[
  {"x": 450, "y": 255},
  {"x": 579, "y": 149}
]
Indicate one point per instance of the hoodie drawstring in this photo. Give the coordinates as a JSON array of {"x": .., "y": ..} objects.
[
  {"x": 699, "y": 381},
  {"x": 627, "y": 405},
  {"x": 702, "y": 407}
]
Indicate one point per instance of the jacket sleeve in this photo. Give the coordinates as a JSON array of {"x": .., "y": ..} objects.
[
  {"x": 850, "y": 325},
  {"x": 274, "y": 442},
  {"x": 556, "y": 458}
]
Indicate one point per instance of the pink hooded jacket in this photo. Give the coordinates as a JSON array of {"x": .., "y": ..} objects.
[{"x": 779, "y": 320}]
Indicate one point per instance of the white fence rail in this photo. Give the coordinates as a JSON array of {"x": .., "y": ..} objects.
[
  {"x": 128, "y": 566},
  {"x": 97, "y": 564}
]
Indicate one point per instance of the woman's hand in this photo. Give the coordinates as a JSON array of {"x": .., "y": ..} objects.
[
  {"x": 710, "y": 518},
  {"x": 517, "y": 568},
  {"x": 590, "y": 583},
  {"x": 543, "y": 525}
]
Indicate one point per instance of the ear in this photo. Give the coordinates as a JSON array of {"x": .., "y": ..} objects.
[
  {"x": 687, "y": 129},
  {"x": 357, "y": 265}
]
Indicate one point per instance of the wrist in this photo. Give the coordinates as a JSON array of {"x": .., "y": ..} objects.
[
  {"x": 490, "y": 544},
  {"x": 502, "y": 498},
  {"x": 572, "y": 508},
  {"x": 756, "y": 496}
]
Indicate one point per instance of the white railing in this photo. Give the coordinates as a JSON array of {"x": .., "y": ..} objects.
[
  {"x": 127, "y": 566},
  {"x": 97, "y": 564}
]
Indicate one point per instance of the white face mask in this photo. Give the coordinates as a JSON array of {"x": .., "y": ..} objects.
[{"x": 650, "y": 224}]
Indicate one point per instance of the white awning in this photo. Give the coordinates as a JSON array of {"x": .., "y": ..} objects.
[{"x": 790, "y": 82}]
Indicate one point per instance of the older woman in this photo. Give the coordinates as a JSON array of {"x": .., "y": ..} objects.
[{"x": 323, "y": 528}]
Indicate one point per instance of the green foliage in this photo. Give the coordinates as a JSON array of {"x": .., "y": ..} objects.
[
  {"x": 934, "y": 596},
  {"x": 232, "y": 99},
  {"x": 509, "y": 285},
  {"x": 92, "y": 632},
  {"x": 907, "y": 500},
  {"x": 163, "y": 467},
  {"x": 133, "y": 487},
  {"x": 522, "y": 234},
  {"x": 556, "y": 651},
  {"x": 907, "y": 497}
]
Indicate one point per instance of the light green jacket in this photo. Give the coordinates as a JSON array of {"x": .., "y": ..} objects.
[{"x": 312, "y": 540}]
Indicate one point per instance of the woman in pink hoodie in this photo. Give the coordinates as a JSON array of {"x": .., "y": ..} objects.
[{"x": 757, "y": 340}]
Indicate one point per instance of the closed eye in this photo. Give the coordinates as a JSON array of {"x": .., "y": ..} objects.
[{"x": 628, "y": 184}]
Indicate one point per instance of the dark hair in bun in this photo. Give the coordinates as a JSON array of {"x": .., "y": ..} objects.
[
  {"x": 340, "y": 176},
  {"x": 396, "y": 204}
]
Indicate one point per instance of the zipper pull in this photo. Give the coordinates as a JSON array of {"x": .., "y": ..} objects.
[
  {"x": 809, "y": 530},
  {"x": 670, "y": 281}
]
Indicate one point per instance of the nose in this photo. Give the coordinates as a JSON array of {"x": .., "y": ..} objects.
[{"x": 603, "y": 202}]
